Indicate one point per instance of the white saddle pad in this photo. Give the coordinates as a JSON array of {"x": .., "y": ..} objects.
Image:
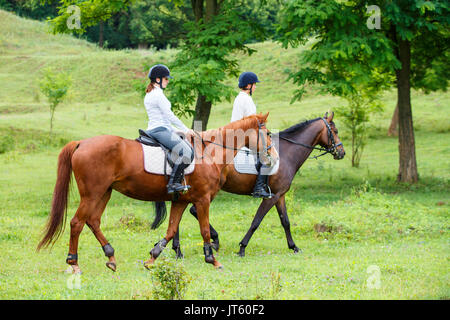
[
  {"x": 245, "y": 162},
  {"x": 154, "y": 158}
]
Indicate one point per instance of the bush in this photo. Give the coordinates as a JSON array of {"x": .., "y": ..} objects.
[
  {"x": 6, "y": 143},
  {"x": 355, "y": 116},
  {"x": 131, "y": 222},
  {"x": 169, "y": 280},
  {"x": 54, "y": 85}
]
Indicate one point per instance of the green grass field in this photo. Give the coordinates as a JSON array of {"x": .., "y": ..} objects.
[{"x": 402, "y": 230}]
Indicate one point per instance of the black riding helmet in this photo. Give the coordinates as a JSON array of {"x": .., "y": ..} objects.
[
  {"x": 159, "y": 71},
  {"x": 247, "y": 78}
]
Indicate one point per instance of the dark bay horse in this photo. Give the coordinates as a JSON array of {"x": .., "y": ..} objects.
[
  {"x": 103, "y": 163},
  {"x": 295, "y": 144}
]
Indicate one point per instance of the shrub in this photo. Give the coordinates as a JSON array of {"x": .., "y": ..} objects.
[
  {"x": 169, "y": 280},
  {"x": 54, "y": 85},
  {"x": 355, "y": 116},
  {"x": 6, "y": 143}
]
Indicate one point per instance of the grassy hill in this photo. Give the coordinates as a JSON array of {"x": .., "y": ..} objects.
[{"x": 373, "y": 220}]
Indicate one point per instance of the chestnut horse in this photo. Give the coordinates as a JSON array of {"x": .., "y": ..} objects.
[
  {"x": 103, "y": 163},
  {"x": 295, "y": 144}
]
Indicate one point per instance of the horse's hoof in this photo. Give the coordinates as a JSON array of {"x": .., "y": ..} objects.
[
  {"x": 210, "y": 259},
  {"x": 149, "y": 263},
  {"x": 241, "y": 253},
  {"x": 76, "y": 269},
  {"x": 112, "y": 266},
  {"x": 178, "y": 253},
  {"x": 215, "y": 245},
  {"x": 297, "y": 250}
]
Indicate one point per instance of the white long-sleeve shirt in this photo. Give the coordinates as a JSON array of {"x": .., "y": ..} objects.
[
  {"x": 159, "y": 110},
  {"x": 243, "y": 106}
]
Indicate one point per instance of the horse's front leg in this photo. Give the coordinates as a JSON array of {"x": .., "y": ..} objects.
[
  {"x": 176, "y": 245},
  {"x": 213, "y": 232},
  {"x": 264, "y": 207},
  {"x": 282, "y": 213},
  {"x": 176, "y": 212},
  {"x": 203, "y": 220}
]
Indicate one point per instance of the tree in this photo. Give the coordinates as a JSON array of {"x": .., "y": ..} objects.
[
  {"x": 157, "y": 23},
  {"x": 356, "y": 115},
  {"x": 29, "y": 8},
  {"x": 205, "y": 60},
  {"x": 75, "y": 16},
  {"x": 218, "y": 29},
  {"x": 408, "y": 50},
  {"x": 54, "y": 85}
]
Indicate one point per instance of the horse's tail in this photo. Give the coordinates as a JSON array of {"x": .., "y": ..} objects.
[
  {"x": 57, "y": 217},
  {"x": 161, "y": 213}
]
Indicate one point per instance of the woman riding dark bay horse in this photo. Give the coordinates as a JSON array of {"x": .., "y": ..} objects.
[
  {"x": 103, "y": 163},
  {"x": 295, "y": 144}
]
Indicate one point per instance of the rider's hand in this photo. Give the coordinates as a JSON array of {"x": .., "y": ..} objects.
[{"x": 191, "y": 132}]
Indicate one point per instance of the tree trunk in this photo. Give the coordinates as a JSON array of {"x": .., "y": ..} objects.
[
  {"x": 52, "y": 114},
  {"x": 353, "y": 148},
  {"x": 393, "y": 128},
  {"x": 100, "y": 34},
  {"x": 143, "y": 46},
  {"x": 197, "y": 8},
  {"x": 202, "y": 111},
  {"x": 211, "y": 9},
  {"x": 203, "y": 107},
  {"x": 407, "y": 151}
]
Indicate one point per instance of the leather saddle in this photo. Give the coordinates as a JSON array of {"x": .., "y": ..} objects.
[{"x": 146, "y": 139}]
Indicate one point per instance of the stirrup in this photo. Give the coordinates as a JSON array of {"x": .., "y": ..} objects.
[
  {"x": 263, "y": 193},
  {"x": 177, "y": 187}
]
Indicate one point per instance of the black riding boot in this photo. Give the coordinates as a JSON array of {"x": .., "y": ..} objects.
[
  {"x": 174, "y": 184},
  {"x": 260, "y": 190}
]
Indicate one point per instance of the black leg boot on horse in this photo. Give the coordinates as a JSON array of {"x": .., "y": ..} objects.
[
  {"x": 175, "y": 180},
  {"x": 261, "y": 185}
]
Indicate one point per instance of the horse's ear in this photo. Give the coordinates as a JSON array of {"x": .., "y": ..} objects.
[
  {"x": 329, "y": 117},
  {"x": 264, "y": 116}
]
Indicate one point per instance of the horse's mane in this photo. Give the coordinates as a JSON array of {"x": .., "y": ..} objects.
[
  {"x": 244, "y": 124},
  {"x": 297, "y": 127}
]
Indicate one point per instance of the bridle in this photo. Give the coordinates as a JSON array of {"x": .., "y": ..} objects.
[
  {"x": 332, "y": 146},
  {"x": 260, "y": 126}
]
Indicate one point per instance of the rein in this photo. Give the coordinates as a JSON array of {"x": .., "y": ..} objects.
[
  {"x": 260, "y": 125},
  {"x": 325, "y": 150}
]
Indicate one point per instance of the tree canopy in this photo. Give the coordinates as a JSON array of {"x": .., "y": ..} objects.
[{"x": 409, "y": 50}]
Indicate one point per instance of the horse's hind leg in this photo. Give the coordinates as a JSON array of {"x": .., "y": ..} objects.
[
  {"x": 176, "y": 212},
  {"x": 76, "y": 226},
  {"x": 89, "y": 211},
  {"x": 94, "y": 224}
]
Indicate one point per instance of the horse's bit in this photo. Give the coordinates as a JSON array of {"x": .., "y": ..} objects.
[{"x": 331, "y": 149}]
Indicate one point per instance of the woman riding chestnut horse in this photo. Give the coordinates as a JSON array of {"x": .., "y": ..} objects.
[{"x": 103, "y": 163}]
